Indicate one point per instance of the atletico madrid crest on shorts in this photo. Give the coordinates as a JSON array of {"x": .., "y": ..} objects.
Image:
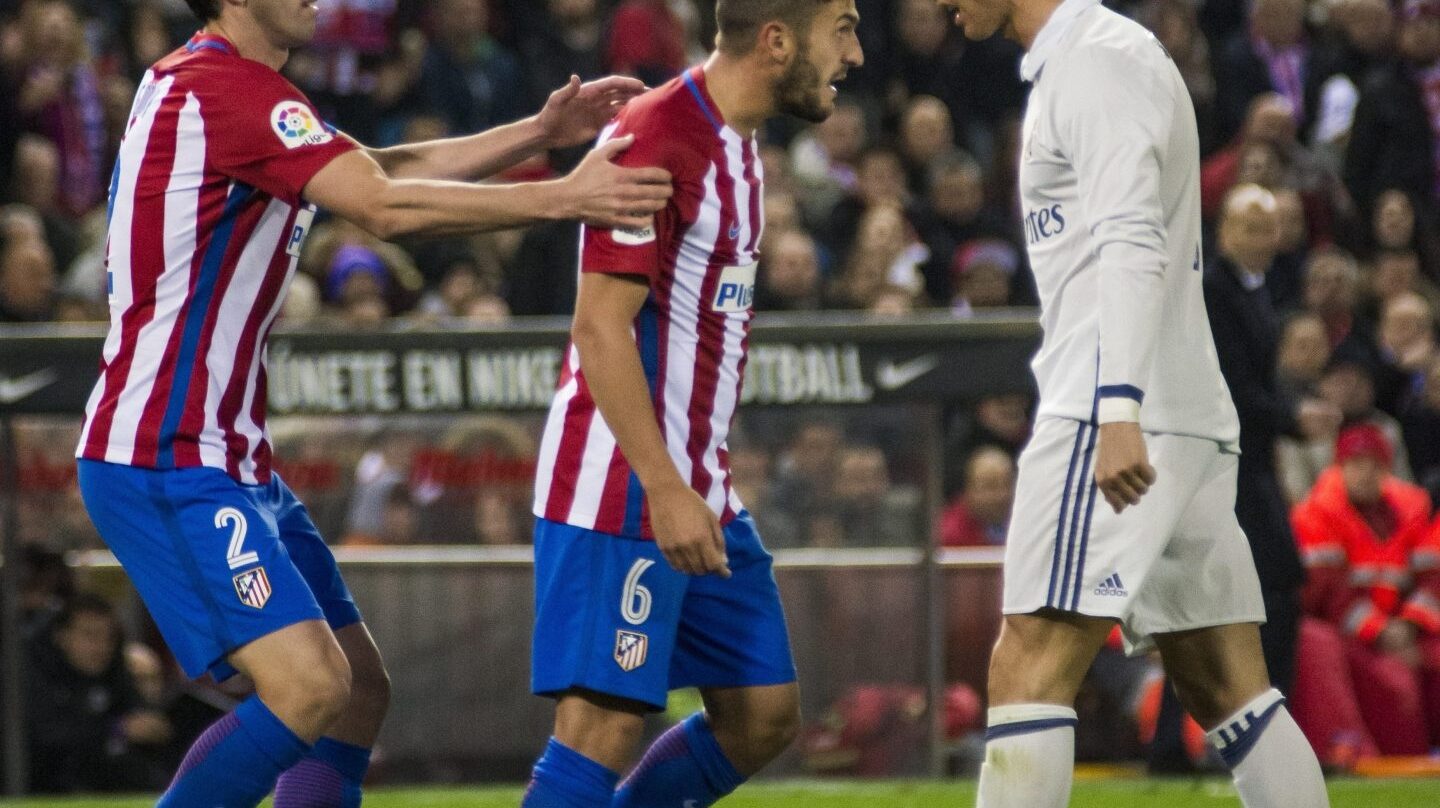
[
  {"x": 630, "y": 649},
  {"x": 253, "y": 587}
]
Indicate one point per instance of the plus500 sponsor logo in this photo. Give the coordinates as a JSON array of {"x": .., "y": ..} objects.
[
  {"x": 1043, "y": 223},
  {"x": 736, "y": 290}
]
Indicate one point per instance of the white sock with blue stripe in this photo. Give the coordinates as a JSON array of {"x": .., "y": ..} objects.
[
  {"x": 1272, "y": 763},
  {"x": 1029, "y": 757}
]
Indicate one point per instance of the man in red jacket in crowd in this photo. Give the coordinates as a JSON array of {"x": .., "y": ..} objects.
[{"x": 1369, "y": 659}]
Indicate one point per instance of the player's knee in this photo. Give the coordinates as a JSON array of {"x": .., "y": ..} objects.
[
  {"x": 319, "y": 691},
  {"x": 762, "y": 736}
]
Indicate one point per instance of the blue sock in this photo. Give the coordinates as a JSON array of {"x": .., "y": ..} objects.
[
  {"x": 235, "y": 763},
  {"x": 329, "y": 777},
  {"x": 564, "y": 778},
  {"x": 685, "y": 766}
]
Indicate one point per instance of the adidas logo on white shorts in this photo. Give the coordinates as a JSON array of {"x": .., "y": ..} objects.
[{"x": 1112, "y": 587}]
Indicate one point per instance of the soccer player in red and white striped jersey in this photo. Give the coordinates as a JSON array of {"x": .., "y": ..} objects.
[
  {"x": 219, "y": 174},
  {"x": 649, "y": 573}
]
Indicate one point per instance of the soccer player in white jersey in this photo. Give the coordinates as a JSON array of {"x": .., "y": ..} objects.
[
  {"x": 1132, "y": 407},
  {"x": 649, "y": 574},
  {"x": 222, "y": 164}
]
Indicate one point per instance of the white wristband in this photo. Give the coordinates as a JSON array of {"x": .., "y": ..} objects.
[{"x": 1118, "y": 408}]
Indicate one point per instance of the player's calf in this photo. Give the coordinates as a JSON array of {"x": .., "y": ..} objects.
[
  {"x": 1219, "y": 675},
  {"x": 754, "y": 724},
  {"x": 1035, "y": 672}
]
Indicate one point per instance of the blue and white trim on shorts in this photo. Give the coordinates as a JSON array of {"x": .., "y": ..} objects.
[{"x": 1072, "y": 526}]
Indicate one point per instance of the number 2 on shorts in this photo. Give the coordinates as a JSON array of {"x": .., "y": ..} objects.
[{"x": 235, "y": 520}]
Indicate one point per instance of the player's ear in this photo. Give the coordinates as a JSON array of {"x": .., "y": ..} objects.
[{"x": 777, "y": 41}]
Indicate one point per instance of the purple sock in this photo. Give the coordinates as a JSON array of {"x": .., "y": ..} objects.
[
  {"x": 329, "y": 777},
  {"x": 685, "y": 766},
  {"x": 234, "y": 764}
]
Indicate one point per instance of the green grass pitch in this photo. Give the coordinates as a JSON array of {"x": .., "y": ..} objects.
[{"x": 844, "y": 794}]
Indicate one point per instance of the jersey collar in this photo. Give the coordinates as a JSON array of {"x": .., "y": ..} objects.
[
  {"x": 1050, "y": 34},
  {"x": 203, "y": 41}
]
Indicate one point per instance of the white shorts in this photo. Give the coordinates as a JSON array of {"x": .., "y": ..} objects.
[{"x": 1176, "y": 561}]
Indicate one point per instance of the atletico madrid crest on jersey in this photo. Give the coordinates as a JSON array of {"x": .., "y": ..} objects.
[
  {"x": 253, "y": 587},
  {"x": 630, "y": 649}
]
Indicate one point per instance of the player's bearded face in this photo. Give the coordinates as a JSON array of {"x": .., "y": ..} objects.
[{"x": 803, "y": 91}]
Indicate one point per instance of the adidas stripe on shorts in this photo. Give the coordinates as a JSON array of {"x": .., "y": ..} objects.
[{"x": 1176, "y": 561}]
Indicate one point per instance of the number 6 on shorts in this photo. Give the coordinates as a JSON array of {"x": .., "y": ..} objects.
[{"x": 635, "y": 600}]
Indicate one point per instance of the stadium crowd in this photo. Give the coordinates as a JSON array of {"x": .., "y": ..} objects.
[{"x": 1320, "y": 132}]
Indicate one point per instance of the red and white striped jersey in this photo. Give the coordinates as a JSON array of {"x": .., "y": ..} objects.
[
  {"x": 699, "y": 258},
  {"x": 205, "y": 228}
]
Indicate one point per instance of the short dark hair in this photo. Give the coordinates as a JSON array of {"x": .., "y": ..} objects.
[
  {"x": 740, "y": 20},
  {"x": 206, "y": 10}
]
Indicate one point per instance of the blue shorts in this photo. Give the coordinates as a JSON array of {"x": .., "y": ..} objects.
[
  {"x": 219, "y": 564},
  {"x": 611, "y": 616}
]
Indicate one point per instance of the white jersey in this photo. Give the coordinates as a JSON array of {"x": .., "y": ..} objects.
[{"x": 1110, "y": 183}]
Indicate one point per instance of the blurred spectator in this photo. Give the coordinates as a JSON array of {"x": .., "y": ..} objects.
[
  {"x": 89, "y": 728},
  {"x": 647, "y": 40},
  {"x": 384, "y": 467},
  {"x": 1349, "y": 383},
  {"x": 1395, "y": 225},
  {"x": 568, "y": 45},
  {"x": 1364, "y": 35},
  {"x": 47, "y": 584},
  {"x": 926, "y": 135},
  {"x": 27, "y": 281},
  {"x": 1332, "y": 282},
  {"x": 1392, "y": 141},
  {"x": 980, "y": 514},
  {"x": 983, "y": 270},
  {"x": 1407, "y": 341},
  {"x": 955, "y": 213},
  {"x": 804, "y": 471},
  {"x": 1397, "y": 272},
  {"x": 751, "y": 475},
  {"x": 886, "y": 257},
  {"x": 1372, "y": 603},
  {"x": 1275, "y": 54},
  {"x": 359, "y": 64},
  {"x": 1303, "y": 354},
  {"x": 867, "y": 510},
  {"x": 59, "y": 97},
  {"x": 37, "y": 180},
  {"x": 789, "y": 274},
  {"x": 470, "y": 80},
  {"x": 824, "y": 159},
  {"x": 1286, "y": 277},
  {"x": 879, "y": 181},
  {"x": 1246, "y": 330},
  {"x": 1421, "y": 423}
]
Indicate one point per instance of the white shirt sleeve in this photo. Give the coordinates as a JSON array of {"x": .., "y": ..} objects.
[{"x": 1114, "y": 116}]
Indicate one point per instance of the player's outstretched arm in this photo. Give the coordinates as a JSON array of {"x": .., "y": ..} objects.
[
  {"x": 597, "y": 192},
  {"x": 686, "y": 530},
  {"x": 573, "y": 115}
]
